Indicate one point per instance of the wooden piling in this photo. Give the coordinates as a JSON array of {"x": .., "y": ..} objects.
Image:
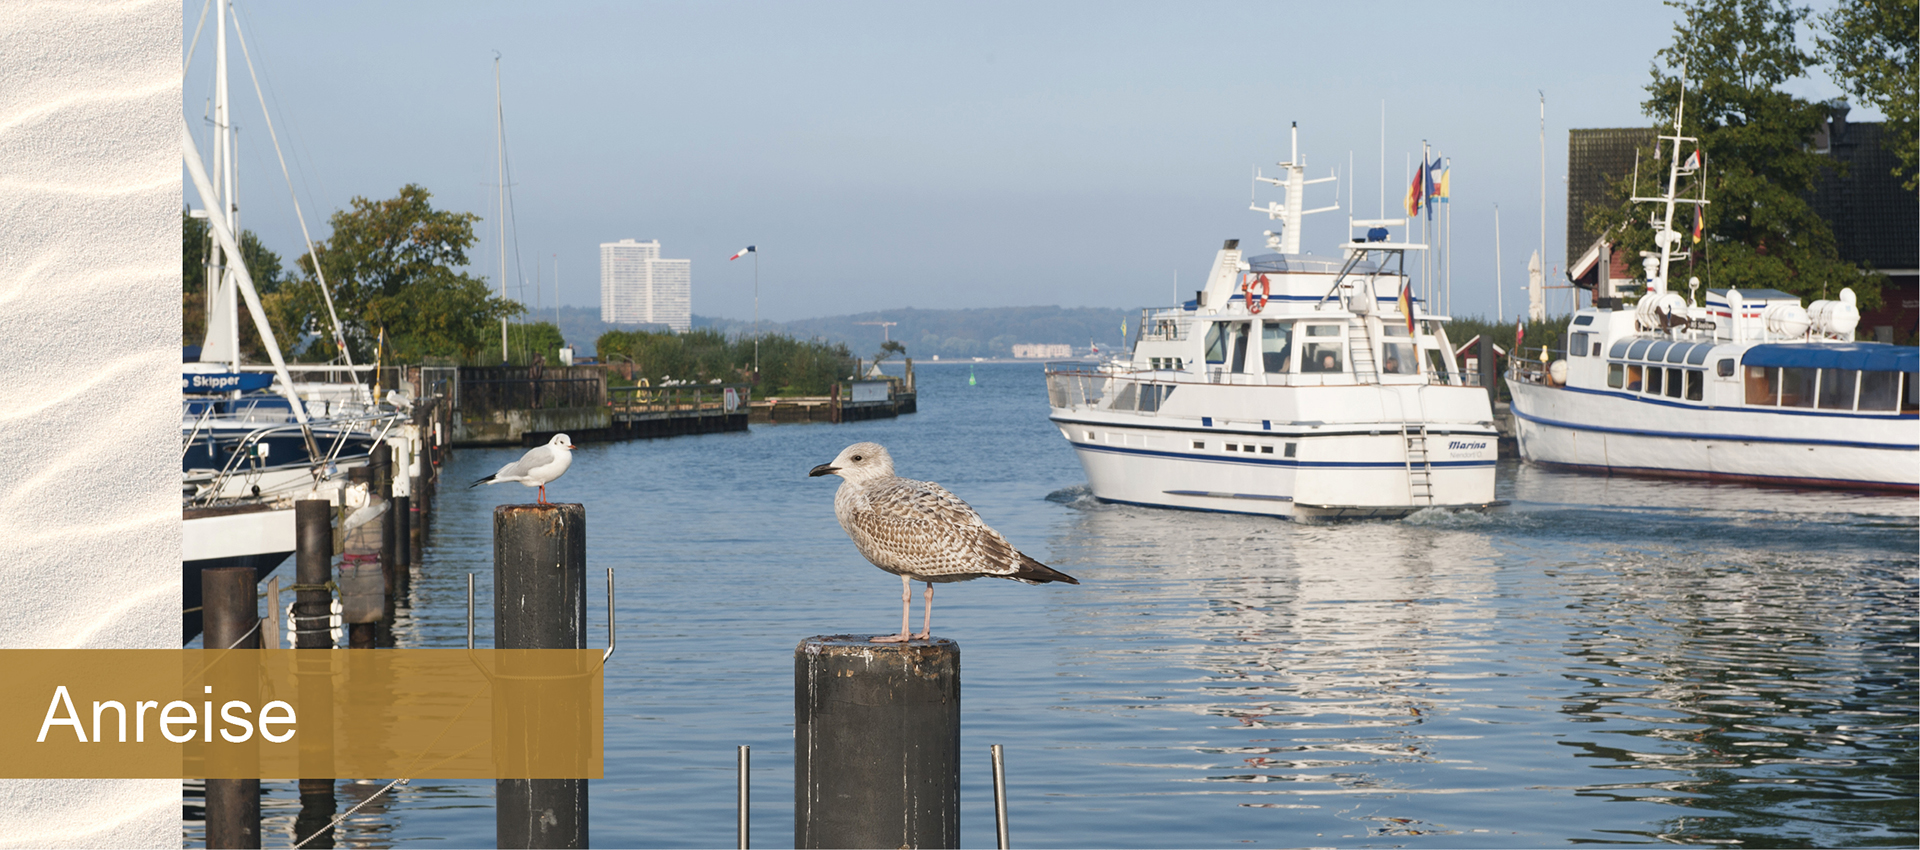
[
  {"x": 312, "y": 630},
  {"x": 540, "y": 602},
  {"x": 1489, "y": 372},
  {"x": 876, "y": 743},
  {"x": 232, "y": 622}
]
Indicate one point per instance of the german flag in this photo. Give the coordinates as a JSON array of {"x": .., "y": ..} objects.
[{"x": 1406, "y": 304}]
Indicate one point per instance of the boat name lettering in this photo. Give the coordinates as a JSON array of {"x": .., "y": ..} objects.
[{"x": 1461, "y": 444}]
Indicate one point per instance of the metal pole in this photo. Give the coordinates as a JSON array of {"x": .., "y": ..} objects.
[
  {"x": 232, "y": 622},
  {"x": 756, "y": 315},
  {"x": 540, "y": 602},
  {"x": 1000, "y": 794},
  {"x": 876, "y": 743},
  {"x": 742, "y": 804}
]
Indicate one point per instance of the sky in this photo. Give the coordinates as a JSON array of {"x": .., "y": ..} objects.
[{"x": 886, "y": 155}]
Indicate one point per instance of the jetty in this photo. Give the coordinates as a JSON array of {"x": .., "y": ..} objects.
[
  {"x": 527, "y": 405},
  {"x": 878, "y": 397}
]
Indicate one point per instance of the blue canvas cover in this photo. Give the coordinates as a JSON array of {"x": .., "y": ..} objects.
[{"x": 1863, "y": 356}]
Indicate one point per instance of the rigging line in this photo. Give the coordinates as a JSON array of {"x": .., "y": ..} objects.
[
  {"x": 188, "y": 62},
  {"x": 293, "y": 133},
  {"x": 513, "y": 219},
  {"x": 339, "y": 334}
]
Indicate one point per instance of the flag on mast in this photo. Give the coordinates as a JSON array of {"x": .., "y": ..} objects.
[
  {"x": 1415, "y": 193},
  {"x": 741, "y": 253},
  {"x": 1698, "y": 222},
  {"x": 1693, "y": 160},
  {"x": 1406, "y": 304},
  {"x": 1436, "y": 181}
]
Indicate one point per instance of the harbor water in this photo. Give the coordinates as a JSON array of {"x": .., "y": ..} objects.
[{"x": 1608, "y": 661}]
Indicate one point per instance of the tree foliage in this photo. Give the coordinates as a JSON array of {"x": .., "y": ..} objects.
[
  {"x": 788, "y": 366},
  {"x": 1760, "y": 229},
  {"x": 196, "y": 242},
  {"x": 1868, "y": 47},
  {"x": 528, "y": 340},
  {"x": 392, "y": 264}
]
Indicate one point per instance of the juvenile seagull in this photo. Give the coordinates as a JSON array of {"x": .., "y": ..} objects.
[
  {"x": 919, "y": 532},
  {"x": 537, "y": 467}
]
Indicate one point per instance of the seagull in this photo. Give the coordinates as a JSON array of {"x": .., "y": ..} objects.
[
  {"x": 537, "y": 467},
  {"x": 919, "y": 532}
]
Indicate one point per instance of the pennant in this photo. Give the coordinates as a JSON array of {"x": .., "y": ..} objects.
[
  {"x": 742, "y": 252},
  {"x": 1519, "y": 334},
  {"x": 1693, "y": 160},
  {"x": 1698, "y": 221}
]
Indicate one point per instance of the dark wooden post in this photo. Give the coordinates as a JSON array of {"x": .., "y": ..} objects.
[
  {"x": 312, "y": 616},
  {"x": 876, "y": 759},
  {"x": 232, "y": 621},
  {"x": 540, "y": 602},
  {"x": 1489, "y": 372}
]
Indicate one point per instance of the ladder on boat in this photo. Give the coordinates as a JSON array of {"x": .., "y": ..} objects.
[
  {"x": 1419, "y": 465},
  {"x": 1360, "y": 352}
]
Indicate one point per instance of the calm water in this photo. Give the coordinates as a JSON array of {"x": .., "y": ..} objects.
[{"x": 1610, "y": 661}]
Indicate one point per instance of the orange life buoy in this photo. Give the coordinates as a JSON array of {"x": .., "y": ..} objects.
[{"x": 1266, "y": 291}]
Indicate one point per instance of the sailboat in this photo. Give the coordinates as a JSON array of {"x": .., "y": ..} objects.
[{"x": 251, "y": 444}]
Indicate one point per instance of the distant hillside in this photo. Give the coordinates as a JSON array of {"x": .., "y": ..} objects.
[{"x": 981, "y": 332}]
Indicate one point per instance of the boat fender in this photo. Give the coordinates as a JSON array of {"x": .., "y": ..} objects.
[
  {"x": 1266, "y": 291},
  {"x": 1557, "y": 373}
]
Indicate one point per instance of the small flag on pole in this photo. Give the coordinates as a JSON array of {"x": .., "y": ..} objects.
[
  {"x": 1693, "y": 160},
  {"x": 1444, "y": 190},
  {"x": 1414, "y": 194},
  {"x": 1437, "y": 179},
  {"x": 1406, "y": 304},
  {"x": 741, "y": 253},
  {"x": 1698, "y": 222}
]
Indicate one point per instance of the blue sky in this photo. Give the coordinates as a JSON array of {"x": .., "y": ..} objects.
[{"x": 886, "y": 155}]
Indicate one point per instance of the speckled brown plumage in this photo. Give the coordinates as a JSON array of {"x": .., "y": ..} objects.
[{"x": 919, "y": 531}]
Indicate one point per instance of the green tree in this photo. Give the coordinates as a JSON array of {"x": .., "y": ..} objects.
[
  {"x": 527, "y": 339},
  {"x": 1869, "y": 47},
  {"x": 789, "y": 366},
  {"x": 1761, "y": 232},
  {"x": 196, "y": 242},
  {"x": 392, "y": 264}
]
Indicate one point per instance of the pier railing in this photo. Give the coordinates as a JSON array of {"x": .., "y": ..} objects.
[
  {"x": 530, "y": 388},
  {"x": 689, "y": 397}
]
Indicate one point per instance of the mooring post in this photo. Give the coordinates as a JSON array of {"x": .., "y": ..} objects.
[
  {"x": 540, "y": 602},
  {"x": 402, "y": 487},
  {"x": 1489, "y": 373},
  {"x": 743, "y": 799},
  {"x": 312, "y": 630},
  {"x": 362, "y": 580},
  {"x": 876, "y": 759},
  {"x": 232, "y": 622},
  {"x": 382, "y": 463}
]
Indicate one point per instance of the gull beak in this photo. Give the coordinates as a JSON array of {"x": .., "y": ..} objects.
[{"x": 823, "y": 469}]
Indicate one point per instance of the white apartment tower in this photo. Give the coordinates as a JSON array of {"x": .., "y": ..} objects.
[{"x": 638, "y": 287}]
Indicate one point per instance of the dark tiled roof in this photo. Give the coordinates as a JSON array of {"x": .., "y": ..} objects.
[
  {"x": 1874, "y": 220},
  {"x": 1595, "y": 157}
]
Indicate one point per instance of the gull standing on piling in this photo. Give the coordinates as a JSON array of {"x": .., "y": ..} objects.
[
  {"x": 537, "y": 467},
  {"x": 919, "y": 532}
]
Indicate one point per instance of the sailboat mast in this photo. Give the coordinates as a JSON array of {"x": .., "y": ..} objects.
[
  {"x": 223, "y": 172},
  {"x": 1667, "y": 237},
  {"x": 500, "y": 138}
]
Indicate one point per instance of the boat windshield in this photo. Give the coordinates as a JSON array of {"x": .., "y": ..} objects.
[
  {"x": 1276, "y": 346},
  {"x": 1216, "y": 344},
  {"x": 1322, "y": 350}
]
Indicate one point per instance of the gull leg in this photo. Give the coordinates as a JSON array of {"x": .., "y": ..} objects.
[
  {"x": 906, "y": 605},
  {"x": 926, "y": 619},
  {"x": 543, "y": 494}
]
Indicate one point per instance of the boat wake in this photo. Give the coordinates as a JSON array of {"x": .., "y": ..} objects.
[{"x": 1078, "y": 497}]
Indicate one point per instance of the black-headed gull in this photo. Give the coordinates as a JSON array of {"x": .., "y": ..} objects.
[
  {"x": 537, "y": 467},
  {"x": 920, "y": 532}
]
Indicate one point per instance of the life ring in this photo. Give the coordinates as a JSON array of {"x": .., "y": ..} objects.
[{"x": 1266, "y": 291}]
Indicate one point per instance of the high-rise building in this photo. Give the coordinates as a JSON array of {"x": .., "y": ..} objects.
[{"x": 638, "y": 287}]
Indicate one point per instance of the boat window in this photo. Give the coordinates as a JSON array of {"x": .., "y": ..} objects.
[
  {"x": 1616, "y": 376},
  {"x": 1678, "y": 353},
  {"x": 1699, "y": 354},
  {"x": 1276, "y": 346},
  {"x": 1320, "y": 356},
  {"x": 1638, "y": 349},
  {"x": 1654, "y": 382},
  {"x": 1634, "y": 377},
  {"x": 1290, "y": 449},
  {"x": 1696, "y": 384},
  {"x": 1658, "y": 350},
  {"x": 1724, "y": 368},
  {"x": 1154, "y": 396},
  {"x": 1393, "y": 329},
  {"x": 1579, "y": 347},
  {"x": 1619, "y": 348},
  {"x": 1216, "y": 344},
  {"x": 1397, "y": 358},
  {"x": 1879, "y": 390},
  {"x": 1266, "y": 450},
  {"x": 1675, "y": 382},
  {"x": 1233, "y": 447},
  {"x": 1123, "y": 400},
  {"x": 1836, "y": 388},
  {"x": 1240, "y": 333},
  {"x": 1763, "y": 385},
  {"x": 1910, "y": 399},
  {"x": 1596, "y": 349},
  {"x": 1796, "y": 386},
  {"x": 1199, "y": 444},
  {"x": 1323, "y": 330},
  {"x": 1583, "y": 320}
]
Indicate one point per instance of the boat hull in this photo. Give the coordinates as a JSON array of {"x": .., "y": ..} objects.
[
  {"x": 1620, "y": 434},
  {"x": 257, "y": 536}
]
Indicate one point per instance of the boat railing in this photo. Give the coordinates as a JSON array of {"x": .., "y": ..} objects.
[
  {"x": 1165, "y": 324},
  {"x": 377, "y": 426},
  {"x": 1528, "y": 365},
  {"x": 1075, "y": 384}
]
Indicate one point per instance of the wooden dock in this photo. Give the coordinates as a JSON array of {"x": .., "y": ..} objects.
[{"x": 853, "y": 402}]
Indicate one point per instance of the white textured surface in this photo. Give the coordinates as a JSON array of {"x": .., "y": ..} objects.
[{"x": 89, "y": 333}]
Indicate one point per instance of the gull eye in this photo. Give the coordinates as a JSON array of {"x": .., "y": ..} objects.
[{"x": 856, "y": 458}]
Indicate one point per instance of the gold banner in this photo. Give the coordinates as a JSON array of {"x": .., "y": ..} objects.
[{"x": 283, "y": 713}]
